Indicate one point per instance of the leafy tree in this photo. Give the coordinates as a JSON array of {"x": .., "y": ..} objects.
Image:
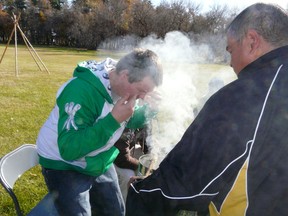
[
  {"x": 61, "y": 28},
  {"x": 57, "y": 4},
  {"x": 20, "y": 4},
  {"x": 87, "y": 23},
  {"x": 6, "y": 26}
]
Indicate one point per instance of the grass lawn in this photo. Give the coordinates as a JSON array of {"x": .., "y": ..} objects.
[{"x": 25, "y": 103}]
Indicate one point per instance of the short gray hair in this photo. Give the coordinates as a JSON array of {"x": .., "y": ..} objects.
[
  {"x": 268, "y": 20},
  {"x": 141, "y": 63}
]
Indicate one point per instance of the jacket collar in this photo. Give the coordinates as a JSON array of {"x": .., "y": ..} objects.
[{"x": 270, "y": 60}]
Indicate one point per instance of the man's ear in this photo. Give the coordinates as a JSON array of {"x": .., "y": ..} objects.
[
  {"x": 254, "y": 40},
  {"x": 123, "y": 74}
]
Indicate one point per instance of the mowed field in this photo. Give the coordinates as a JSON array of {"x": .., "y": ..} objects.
[{"x": 27, "y": 99}]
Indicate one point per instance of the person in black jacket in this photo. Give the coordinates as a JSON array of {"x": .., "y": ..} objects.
[{"x": 232, "y": 159}]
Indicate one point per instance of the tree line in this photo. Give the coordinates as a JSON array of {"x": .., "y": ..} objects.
[{"x": 89, "y": 23}]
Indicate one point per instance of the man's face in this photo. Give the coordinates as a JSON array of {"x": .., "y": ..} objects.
[
  {"x": 239, "y": 52},
  {"x": 138, "y": 89}
]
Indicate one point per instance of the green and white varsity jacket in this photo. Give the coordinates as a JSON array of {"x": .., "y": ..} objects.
[{"x": 80, "y": 132}]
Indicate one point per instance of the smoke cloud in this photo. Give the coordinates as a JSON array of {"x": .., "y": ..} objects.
[
  {"x": 187, "y": 74},
  {"x": 184, "y": 85}
]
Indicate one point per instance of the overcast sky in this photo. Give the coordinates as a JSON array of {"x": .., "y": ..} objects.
[{"x": 241, "y": 4}]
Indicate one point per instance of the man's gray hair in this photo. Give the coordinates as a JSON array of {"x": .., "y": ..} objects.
[
  {"x": 141, "y": 63},
  {"x": 268, "y": 20}
]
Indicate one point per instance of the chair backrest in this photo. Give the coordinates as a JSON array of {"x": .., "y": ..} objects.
[
  {"x": 13, "y": 165},
  {"x": 16, "y": 162}
]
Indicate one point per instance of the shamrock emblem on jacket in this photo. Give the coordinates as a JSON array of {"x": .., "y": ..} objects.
[{"x": 71, "y": 110}]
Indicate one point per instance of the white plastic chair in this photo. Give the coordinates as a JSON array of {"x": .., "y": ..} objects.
[{"x": 13, "y": 165}]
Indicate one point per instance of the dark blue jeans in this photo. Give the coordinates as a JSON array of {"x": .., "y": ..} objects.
[{"x": 78, "y": 194}]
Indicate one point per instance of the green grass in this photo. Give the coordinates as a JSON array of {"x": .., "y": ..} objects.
[
  {"x": 25, "y": 103},
  {"x": 27, "y": 99}
]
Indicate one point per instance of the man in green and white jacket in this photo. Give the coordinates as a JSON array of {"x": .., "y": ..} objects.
[{"x": 76, "y": 143}]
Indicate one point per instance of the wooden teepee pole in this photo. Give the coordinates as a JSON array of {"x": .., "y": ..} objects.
[
  {"x": 27, "y": 43},
  {"x": 30, "y": 46},
  {"x": 16, "y": 51}
]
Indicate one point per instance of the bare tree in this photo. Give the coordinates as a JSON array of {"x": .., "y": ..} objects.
[
  {"x": 142, "y": 18},
  {"x": 177, "y": 15},
  {"x": 215, "y": 18}
]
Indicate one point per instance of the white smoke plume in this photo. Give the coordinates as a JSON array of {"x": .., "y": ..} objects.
[
  {"x": 179, "y": 89},
  {"x": 187, "y": 75}
]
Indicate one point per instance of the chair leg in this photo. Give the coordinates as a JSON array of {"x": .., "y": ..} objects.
[
  {"x": 14, "y": 198},
  {"x": 15, "y": 201}
]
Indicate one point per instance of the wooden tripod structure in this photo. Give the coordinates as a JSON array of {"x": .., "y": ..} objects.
[{"x": 32, "y": 51}]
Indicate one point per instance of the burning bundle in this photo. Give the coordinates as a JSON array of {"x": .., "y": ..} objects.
[{"x": 147, "y": 164}]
